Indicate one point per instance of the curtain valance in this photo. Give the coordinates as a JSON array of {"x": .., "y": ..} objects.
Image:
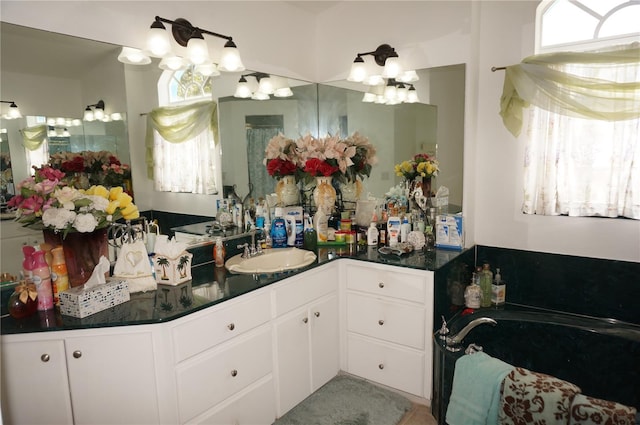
[{"x": 33, "y": 137}]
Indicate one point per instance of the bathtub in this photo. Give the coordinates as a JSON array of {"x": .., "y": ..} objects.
[{"x": 601, "y": 356}]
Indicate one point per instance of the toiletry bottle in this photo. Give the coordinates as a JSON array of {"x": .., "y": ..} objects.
[
  {"x": 321, "y": 225},
  {"x": 486, "y": 279},
  {"x": 278, "y": 230},
  {"x": 310, "y": 235},
  {"x": 382, "y": 234},
  {"x": 27, "y": 263},
  {"x": 393, "y": 230},
  {"x": 291, "y": 229},
  {"x": 472, "y": 294},
  {"x": 42, "y": 279},
  {"x": 372, "y": 235},
  {"x": 498, "y": 290},
  {"x": 299, "y": 243},
  {"x": 59, "y": 274},
  {"x": 405, "y": 228},
  {"x": 219, "y": 252}
]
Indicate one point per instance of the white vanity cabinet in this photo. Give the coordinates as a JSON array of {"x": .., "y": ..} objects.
[
  {"x": 389, "y": 319},
  {"x": 223, "y": 361},
  {"x": 82, "y": 377},
  {"x": 306, "y": 332}
]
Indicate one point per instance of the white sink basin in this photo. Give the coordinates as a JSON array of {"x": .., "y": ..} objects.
[{"x": 271, "y": 261}]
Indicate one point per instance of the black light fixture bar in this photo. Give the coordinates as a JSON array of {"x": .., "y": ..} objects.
[
  {"x": 99, "y": 105},
  {"x": 182, "y": 31},
  {"x": 380, "y": 55},
  {"x": 12, "y": 103}
]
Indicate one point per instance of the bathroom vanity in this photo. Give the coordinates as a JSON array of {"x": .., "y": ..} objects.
[{"x": 226, "y": 348}]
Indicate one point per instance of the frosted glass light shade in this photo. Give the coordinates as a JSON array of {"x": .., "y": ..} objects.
[
  {"x": 230, "y": 60},
  {"x": 172, "y": 63},
  {"x": 260, "y": 96},
  {"x": 133, "y": 56},
  {"x": 392, "y": 68},
  {"x": 98, "y": 114},
  {"x": 358, "y": 71},
  {"x": 158, "y": 42},
  {"x": 412, "y": 96},
  {"x": 283, "y": 92},
  {"x": 265, "y": 85},
  {"x": 242, "y": 90},
  {"x": 88, "y": 115},
  {"x": 197, "y": 50},
  {"x": 208, "y": 69}
]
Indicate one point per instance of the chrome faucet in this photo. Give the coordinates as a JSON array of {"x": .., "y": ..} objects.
[
  {"x": 247, "y": 252},
  {"x": 453, "y": 341}
]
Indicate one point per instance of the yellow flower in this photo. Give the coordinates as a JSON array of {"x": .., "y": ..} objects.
[
  {"x": 125, "y": 200},
  {"x": 115, "y": 192},
  {"x": 100, "y": 191},
  {"x": 112, "y": 207},
  {"x": 130, "y": 212}
]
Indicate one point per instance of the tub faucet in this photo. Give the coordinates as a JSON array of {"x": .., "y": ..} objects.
[{"x": 457, "y": 338}]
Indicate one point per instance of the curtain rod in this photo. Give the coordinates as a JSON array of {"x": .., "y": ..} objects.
[{"x": 497, "y": 68}]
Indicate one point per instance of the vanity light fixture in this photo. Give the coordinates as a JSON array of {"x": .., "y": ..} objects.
[
  {"x": 14, "y": 112},
  {"x": 94, "y": 112},
  {"x": 394, "y": 80},
  {"x": 266, "y": 85},
  {"x": 197, "y": 51}
]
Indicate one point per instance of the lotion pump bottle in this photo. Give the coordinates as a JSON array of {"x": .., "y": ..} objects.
[
  {"x": 219, "y": 252},
  {"x": 372, "y": 234},
  {"x": 42, "y": 279}
]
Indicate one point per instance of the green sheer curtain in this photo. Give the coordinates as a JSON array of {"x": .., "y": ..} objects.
[
  {"x": 178, "y": 124},
  {"x": 539, "y": 80},
  {"x": 34, "y": 137}
]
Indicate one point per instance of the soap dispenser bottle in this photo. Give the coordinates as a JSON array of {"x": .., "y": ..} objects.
[
  {"x": 278, "y": 230},
  {"x": 42, "y": 279},
  {"x": 219, "y": 252}
]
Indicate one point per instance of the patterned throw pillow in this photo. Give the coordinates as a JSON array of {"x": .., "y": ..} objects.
[{"x": 587, "y": 410}]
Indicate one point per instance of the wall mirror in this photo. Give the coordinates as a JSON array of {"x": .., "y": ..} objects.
[
  {"x": 397, "y": 131},
  {"x": 53, "y": 77},
  {"x": 435, "y": 125}
]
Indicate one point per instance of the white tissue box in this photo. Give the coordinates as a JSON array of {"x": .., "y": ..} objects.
[
  {"x": 82, "y": 302},
  {"x": 172, "y": 271},
  {"x": 449, "y": 231}
]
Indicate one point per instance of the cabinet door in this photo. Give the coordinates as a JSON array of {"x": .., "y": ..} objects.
[
  {"x": 293, "y": 364},
  {"x": 112, "y": 378},
  {"x": 35, "y": 384},
  {"x": 324, "y": 341}
]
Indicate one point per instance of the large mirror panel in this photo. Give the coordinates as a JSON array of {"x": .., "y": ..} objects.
[
  {"x": 53, "y": 78},
  {"x": 435, "y": 125}
]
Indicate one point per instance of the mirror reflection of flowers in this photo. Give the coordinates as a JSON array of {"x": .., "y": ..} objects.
[
  {"x": 309, "y": 157},
  {"x": 45, "y": 201},
  {"x": 102, "y": 167},
  {"x": 421, "y": 164},
  {"x": 281, "y": 157}
]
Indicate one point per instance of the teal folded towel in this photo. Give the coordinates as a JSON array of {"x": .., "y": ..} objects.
[{"x": 475, "y": 396}]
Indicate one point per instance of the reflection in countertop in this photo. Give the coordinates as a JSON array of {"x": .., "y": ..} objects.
[{"x": 209, "y": 286}]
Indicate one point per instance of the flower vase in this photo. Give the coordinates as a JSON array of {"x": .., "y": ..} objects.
[
  {"x": 324, "y": 195},
  {"x": 420, "y": 193},
  {"x": 351, "y": 191},
  {"x": 81, "y": 181},
  {"x": 287, "y": 191},
  {"x": 82, "y": 252}
]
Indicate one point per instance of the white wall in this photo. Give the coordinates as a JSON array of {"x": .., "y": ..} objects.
[{"x": 428, "y": 33}]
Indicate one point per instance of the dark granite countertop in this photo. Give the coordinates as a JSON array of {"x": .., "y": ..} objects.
[{"x": 209, "y": 286}]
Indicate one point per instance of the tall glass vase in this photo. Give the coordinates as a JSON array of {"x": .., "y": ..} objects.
[
  {"x": 324, "y": 195},
  {"x": 351, "y": 191},
  {"x": 287, "y": 191},
  {"x": 82, "y": 252}
]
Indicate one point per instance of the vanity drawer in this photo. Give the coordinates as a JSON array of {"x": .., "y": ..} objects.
[
  {"x": 299, "y": 291},
  {"x": 207, "y": 380},
  {"x": 396, "y": 322},
  {"x": 256, "y": 405},
  {"x": 396, "y": 367},
  {"x": 387, "y": 281},
  {"x": 210, "y": 328}
]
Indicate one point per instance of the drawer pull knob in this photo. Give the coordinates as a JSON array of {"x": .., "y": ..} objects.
[
  {"x": 381, "y": 285},
  {"x": 381, "y": 322},
  {"x": 231, "y": 326},
  {"x": 45, "y": 358},
  {"x": 77, "y": 354},
  {"x": 305, "y": 320},
  {"x": 317, "y": 314},
  {"x": 234, "y": 373},
  {"x": 380, "y": 366}
]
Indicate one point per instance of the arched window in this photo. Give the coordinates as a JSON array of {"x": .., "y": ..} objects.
[
  {"x": 579, "y": 162},
  {"x": 191, "y": 165}
]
